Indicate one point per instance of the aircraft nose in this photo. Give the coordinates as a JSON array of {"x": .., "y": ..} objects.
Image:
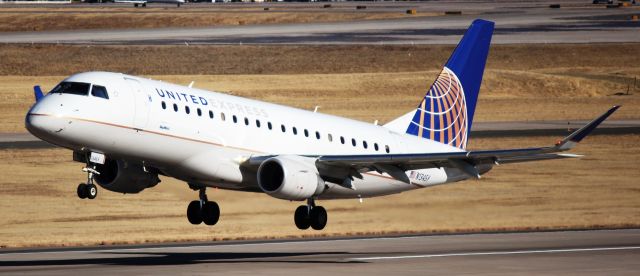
[{"x": 43, "y": 124}]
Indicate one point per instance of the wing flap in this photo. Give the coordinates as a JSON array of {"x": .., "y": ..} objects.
[{"x": 536, "y": 157}]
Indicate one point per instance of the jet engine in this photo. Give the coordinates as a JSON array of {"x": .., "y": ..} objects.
[
  {"x": 290, "y": 178},
  {"x": 124, "y": 177}
]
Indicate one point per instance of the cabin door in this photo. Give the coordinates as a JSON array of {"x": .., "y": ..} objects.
[{"x": 142, "y": 103}]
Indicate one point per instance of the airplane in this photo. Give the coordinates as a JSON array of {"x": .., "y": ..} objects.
[
  {"x": 130, "y": 130},
  {"x": 143, "y": 3}
]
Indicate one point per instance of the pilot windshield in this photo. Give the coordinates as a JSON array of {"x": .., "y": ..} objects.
[
  {"x": 77, "y": 88},
  {"x": 81, "y": 88},
  {"x": 99, "y": 91}
]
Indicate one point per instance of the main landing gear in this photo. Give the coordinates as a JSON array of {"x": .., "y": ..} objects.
[
  {"x": 88, "y": 190},
  {"x": 310, "y": 215},
  {"x": 203, "y": 210}
]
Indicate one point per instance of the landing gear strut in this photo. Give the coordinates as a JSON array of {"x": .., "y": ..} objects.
[
  {"x": 203, "y": 210},
  {"x": 310, "y": 215},
  {"x": 88, "y": 190}
]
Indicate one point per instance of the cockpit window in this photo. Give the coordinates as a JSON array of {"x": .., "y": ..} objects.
[
  {"x": 99, "y": 91},
  {"x": 77, "y": 88}
]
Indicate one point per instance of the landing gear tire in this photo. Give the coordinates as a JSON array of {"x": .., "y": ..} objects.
[
  {"x": 88, "y": 190},
  {"x": 210, "y": 213},
  {"x": 194, "y": 212},
  {"x": 318, "y": 218},
  {"x": 310, "y": 215},
  {"x": 301, "y": 217},
  {"x": 203, "y": 210},
  {"x": 91, "y": 191},
  {"x": 82, "y": 191}
]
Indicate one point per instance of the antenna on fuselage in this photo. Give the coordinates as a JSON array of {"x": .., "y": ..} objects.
[
  {"x": 316, "y": 109},
  {"x": 191, "y": 84}
]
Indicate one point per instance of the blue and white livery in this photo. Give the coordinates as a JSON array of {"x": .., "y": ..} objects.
[{"x": 130, "y": 130}]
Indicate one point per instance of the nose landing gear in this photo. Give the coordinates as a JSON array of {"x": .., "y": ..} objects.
[
  {"x": 88, "y": 190},
  {"x": 203, "y": 210},
  {"x": 310, "y": 215}
]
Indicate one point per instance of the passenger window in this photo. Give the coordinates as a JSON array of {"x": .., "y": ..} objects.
[
  {"x": 386, "y": 148},
  {"x": 210, "y": 114},
  {"x": 318, "y": 135},
  {"x": 246, "y": 121},
  {"x": 175, "y": 107},
  {"x": 164, "y": 105},
  {"x": 99, "y": 91},
  {"x": 222, "y": 117},
  {"x": 187, "y": 109},
  {"x": 258, "y": 123},
  {"x": 342, "y": 140},
  {"x": 375, "y": 146},
  {"x": 284, "y": 129},
  {"x": 306, "y": 133},
  {"x": 364, "y": 144},
  {"x": 269, "y": 125},
  {"x": 235, "y": 119},
  {"x": 330, "y": 137},
  {"x": 353, "y": 142},
  {"x": 76, "y": 88},
  {"x": 295, "y": 131},
  {"x": 199, "y": 112}
]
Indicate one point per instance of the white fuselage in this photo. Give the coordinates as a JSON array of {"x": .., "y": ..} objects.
[{"x": 139, "y": 122}]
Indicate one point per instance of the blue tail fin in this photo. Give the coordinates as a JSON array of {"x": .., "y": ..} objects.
[{"x": 446, "y": 112}]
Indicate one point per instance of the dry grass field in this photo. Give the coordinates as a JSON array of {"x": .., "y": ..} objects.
[
  {"x": 522, "y": 82},
  {"x": 507, "y": 96},
  {"x": 39, "y": 205},
  {"x": 72, "y": 18},
  {"x": 60, "y": 60}
]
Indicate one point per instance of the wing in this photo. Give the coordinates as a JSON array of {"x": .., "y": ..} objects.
[{"x": 340, "y": 167}]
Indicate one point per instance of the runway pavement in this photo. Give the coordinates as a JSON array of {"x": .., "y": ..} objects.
[
  {"x": 550, "y": 128},
  {"x": 480, "y": 129},
  {"x": 603, "y": 252},
  {"x": 525, "y": 23}
]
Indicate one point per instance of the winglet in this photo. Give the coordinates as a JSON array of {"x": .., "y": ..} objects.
[
  {"x": 37, "y": 92},
  {"x": 577, "y": 136}
]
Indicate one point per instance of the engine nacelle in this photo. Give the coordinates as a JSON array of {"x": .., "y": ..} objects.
[
  {"x": 290, "y": 177},
  {"x": 124, "y": 177}
]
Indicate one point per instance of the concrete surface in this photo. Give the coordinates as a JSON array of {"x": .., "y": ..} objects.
[
  {"x": 516, "y": 22},
  {"x": 604, "y": 252}
]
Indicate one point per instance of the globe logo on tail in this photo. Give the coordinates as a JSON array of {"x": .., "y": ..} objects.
[{"x": 442, "y": 114}]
